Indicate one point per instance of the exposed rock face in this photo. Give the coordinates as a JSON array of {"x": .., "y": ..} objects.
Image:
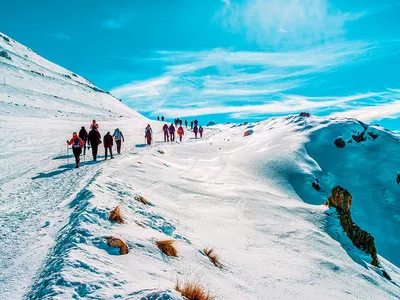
[
  {"x": 304, "y": 114},
  {"x": 340, "y": 143},
  {"x": 398, "y": 178},
  {"x": 341, "y": 200},
  {"x": 4, "y": 54}
]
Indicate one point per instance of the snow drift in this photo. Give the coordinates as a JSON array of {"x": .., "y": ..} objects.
[{"x": 250, "y": 198}]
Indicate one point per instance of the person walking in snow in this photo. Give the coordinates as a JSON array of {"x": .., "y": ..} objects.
[
  {"x": 94, "y": 125},
  {"x": 83, "y": 135},
  {"x": 166, "y": 136},
  {"x": 186, "y": 123},
  {"x": 118, "y": 138},
  {"x": 162, "y": 118},
  {"x": 148, "y": 133},
  {"x": 108, "y": 144},
  {"x": 77, "y": 144},
  {"x": 181, "y": 132},
  {"x": 94, "y": 140},
  {"x": 201, "y": 131},
  {"x": 196, "y": 122},
  {"x": 172, "y": 132},
  {"x": 191, "y": 124},
  {"x": 180, "y": 122},
  {"x": 195, "y": 130}
]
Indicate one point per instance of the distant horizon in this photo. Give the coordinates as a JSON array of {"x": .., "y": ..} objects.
[{"x": 226, "y": 60}]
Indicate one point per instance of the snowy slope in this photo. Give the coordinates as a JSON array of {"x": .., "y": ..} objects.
[{"x": 249, "y": 197}]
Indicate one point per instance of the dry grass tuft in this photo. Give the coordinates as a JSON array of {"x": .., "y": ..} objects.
[
  {"x": 118, "y": 243},
  {"x": 141, "y": 199},
  {"x": 167, "y": 247},
  {"x": 210, "y": 252},
  {"x": 115, "y": 215},
  {"x": 140, "y": 224},
  {"x": 193, "y": 291}
]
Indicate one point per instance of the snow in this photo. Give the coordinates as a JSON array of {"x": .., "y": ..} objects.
[{"x": 248, "y": 197}]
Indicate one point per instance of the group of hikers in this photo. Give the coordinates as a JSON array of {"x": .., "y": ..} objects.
[{"x": 93, "y": 140}]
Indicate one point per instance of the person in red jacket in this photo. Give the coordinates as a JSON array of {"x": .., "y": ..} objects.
[
  {"x": 180, "y": 132},
  {"x": 77, "y": 145},
  {"x": 94, "y": 125},
  {"x": 108, "y": 144}
]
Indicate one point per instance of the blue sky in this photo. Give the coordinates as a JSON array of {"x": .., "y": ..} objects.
[{"x": 225, "y": 60}]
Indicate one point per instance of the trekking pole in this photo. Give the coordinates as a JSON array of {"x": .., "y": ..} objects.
[{"x": 67, "y": 155}]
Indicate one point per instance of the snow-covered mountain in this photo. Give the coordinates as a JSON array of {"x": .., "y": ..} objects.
[{"x": 249, "y": 197}]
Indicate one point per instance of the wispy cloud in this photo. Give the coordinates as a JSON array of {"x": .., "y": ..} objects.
[
  {"x": 286, "y": 22},
  {"x": 59, "y": 36},
  {"x": 240, "y": 83},
  {"x": 117, "y": 22}
]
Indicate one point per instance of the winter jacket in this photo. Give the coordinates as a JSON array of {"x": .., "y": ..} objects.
[
  {"x": 181, "y": 132},
  {"x": 195, "y": 129},
  {"x": 83, "y": 134},
  {"x": 171, "y": 129},
  {"x": 108, "y": 140},
  {"x": 165, "y": 128},
  {"x": 94, "y": 137},
  {"x": 148, "y": 132},
  {"x": 118, "y": 135},
  {"x": 201, "y": 129},
  {"x": 94, "y": 125},
  {"x": 81, "y": 143}
]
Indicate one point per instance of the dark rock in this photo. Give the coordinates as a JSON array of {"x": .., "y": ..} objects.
[
  {"x": 3, "y": 53},
  {"x": 341, "y": 200},
  {"x": 304, "y": 114},
  {"x": 373, "y": 135},
  {"x": 73, "y": 74},
  {"x": 386, "y": 275},
  {"x": 316, "y": 186},
  {"x": 360, "y": 137},
  {"x": 340, "y": 143},
  {"x": 67, "y": 76},
  {"x": 350, "y": 141},
  {"x": 6, "y": 39},
  {"x": 398, "y": 178}
]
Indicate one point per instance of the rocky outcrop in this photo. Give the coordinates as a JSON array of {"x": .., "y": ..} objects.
[
  {"x": 304, "y": 114},
  {"x": 340, "y": 143},
  {"x": 316, "y": 185},
  {"x": 4, "y": 53},
  {"x": 398, "y": 178},
  {"x": 342, "y": 200}
]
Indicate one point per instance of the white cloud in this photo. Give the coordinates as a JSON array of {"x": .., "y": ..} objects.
[{"x": 303, "y": 22}]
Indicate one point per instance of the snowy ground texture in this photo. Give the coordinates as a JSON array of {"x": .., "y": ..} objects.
[{"x": 251, "y": 198}]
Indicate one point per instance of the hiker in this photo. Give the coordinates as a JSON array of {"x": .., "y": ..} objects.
[
  {"x": 196, "y": 122},
  {"x": 181, "y": 132},
  {"x": 83, "y": 136},
  {"x": 162, "y": 118},
  {"x": 94, "y": 125},
  {"x": 180, "y": 122},
  {"x": 176, "y": 122},
  {"x": 118, "y": 137},
  {"x": 148, "y": 134},
  {"x": 186, "y": 123},
  {"x": 158, "y": 118},
  {"x": 77, "y": 144},
  {"x": 166, "y": 136},
  {"x": 191, "y": 124},
  {"x": 94, "y": 140},
  {"x": 172, "y": 132},
  {"x": 108, "y": 144},
  {"x": 195, "y": 130},
  {"x": 201, "y": 131}
]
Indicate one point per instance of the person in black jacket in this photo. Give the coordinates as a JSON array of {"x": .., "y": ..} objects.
[
  {"x": 83, "y": 135},
  {"x": 94, "y": 140},
  {"x": 108, "y": 144}
]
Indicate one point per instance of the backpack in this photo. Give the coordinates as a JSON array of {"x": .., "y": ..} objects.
[
  {"x": 76, "y": 143},
  {"x": 117, "y": 135}
]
